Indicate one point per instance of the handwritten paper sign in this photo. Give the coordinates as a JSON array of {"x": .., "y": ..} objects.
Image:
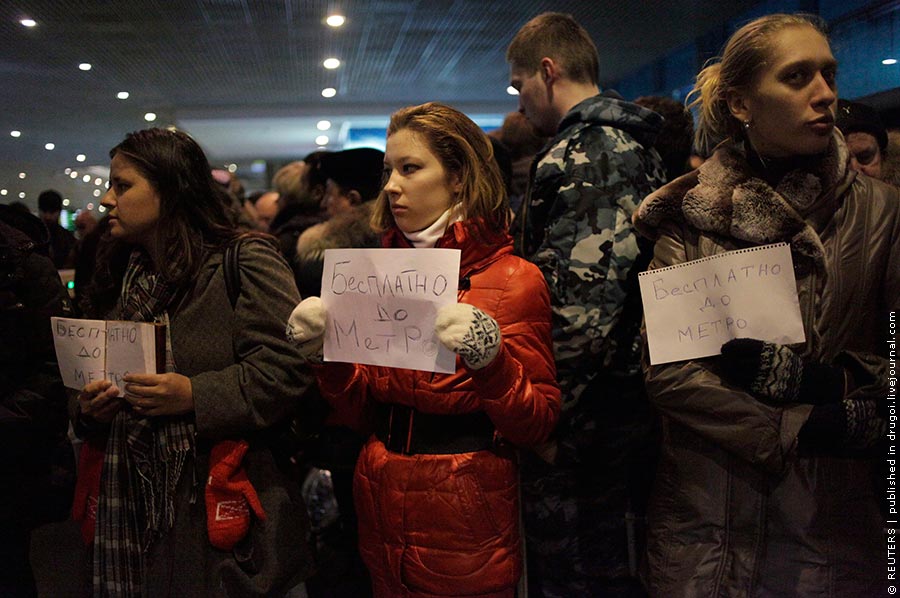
[
  {"x": 91, "y": 350},
  {"x": 691, "y": 309},
  {"x": 382, "y": 304}
]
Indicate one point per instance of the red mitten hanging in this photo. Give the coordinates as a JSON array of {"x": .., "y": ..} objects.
[{"x": 229, "y": 495}]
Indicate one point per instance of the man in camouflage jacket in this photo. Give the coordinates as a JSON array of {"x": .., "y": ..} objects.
[{"x": 584, "y": 496}]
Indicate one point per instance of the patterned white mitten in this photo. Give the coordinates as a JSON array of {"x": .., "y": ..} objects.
[
  {"x": 469, "y": 332},
  {"x": 306, "y": 328}
]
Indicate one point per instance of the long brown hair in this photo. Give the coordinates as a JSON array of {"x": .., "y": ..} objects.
[
  {"x": 194, "y": 214},
  {"x": 465, "y": 151}
]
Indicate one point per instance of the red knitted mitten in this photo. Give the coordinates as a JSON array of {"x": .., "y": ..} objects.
[{"x": 229, "y": 495}]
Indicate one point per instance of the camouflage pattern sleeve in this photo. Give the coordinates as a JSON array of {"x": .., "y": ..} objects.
[{"x": 590, "y": 244}]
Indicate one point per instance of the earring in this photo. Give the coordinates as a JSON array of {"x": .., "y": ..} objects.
[{"x": 746, "y": 125}]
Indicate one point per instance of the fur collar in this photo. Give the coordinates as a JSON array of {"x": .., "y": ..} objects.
[{"x": 725, "y": 197}]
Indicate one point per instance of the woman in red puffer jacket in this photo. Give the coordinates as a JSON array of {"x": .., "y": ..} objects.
[{"x": 436, "y": 486}]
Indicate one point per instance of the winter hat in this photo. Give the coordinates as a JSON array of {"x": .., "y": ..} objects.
[
  {"x": 229, "y": 495},
  {"x": 853, "y": 117},
  {"x": 359, "y": 168}
]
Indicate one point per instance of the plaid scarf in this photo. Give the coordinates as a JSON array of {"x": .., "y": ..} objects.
[{"x": 144, "y": 457}]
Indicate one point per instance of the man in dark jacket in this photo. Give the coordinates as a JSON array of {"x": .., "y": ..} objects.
[
  {"x": 62, "y": 241},
  {"x": 582, "y": 498},
  {"x": 33, "y": 416},
  {"x": 300, "y": 189}
]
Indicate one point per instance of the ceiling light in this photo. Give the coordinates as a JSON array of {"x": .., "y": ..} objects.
[
  {"x": 22, "y": 175},
  {"x": 49, "y": 146},
  {"x": 67, "y": 170},
  {"x": 322, "y": 140},
  {"x": 85, "y": 66},
  {"x": 80, "y": 158},
  {"x": 889, "y": 61},
  {"x": 98, "y": 181},
  {"x": 21, "y": 195},
  {"x": 232, "y": 168},
  {"x": 329, "y": 92},
  {"x": 66, "y": 202},
  {"x": 28, "y": 22},
  {"x": 101, "y": 208},
  {"x": 3, "y": 191},
  {"x": 323, "y": 125},
  {"x": 512, "y": 91},
  {"x": 122, "y": 95},
  {"x": 97, "y": 193},
  {"x": 74, "y": 174},
  {"x": 15, "y": 133},
  {"x": 86, "y": 178},
  {"x": 331, "y": 63},
  {"x": 335, "y": 20},
  {"x": 150, "y": 117},
  {"x": 90, "y": 206}
]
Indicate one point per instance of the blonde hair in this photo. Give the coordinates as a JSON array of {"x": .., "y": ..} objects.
[
  {"x": 464, "y": 150},
  {"x": 745, "y": 55}
]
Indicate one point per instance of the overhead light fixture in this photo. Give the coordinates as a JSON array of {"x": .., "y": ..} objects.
[
  {"x": 73, "y": 174},
  {"x": 322, "y": 140},
  {"x": 329, "y": 92},
  {"x": 86, "y": 178},
  {"x": 22, "y": 175},
  {"x": 21, "y": 195},
  {"x": 66, "y": 202},
  {"x": 15, "y": 133},
  {"x": 331, "y": 63},
  {"x": 889, "y": 61},
  {"x": 85, "y": 66},
  {"x": 97, "y": 192},
  {"x": 90, "y": 206},
  {"x": 28, "y": 22},
  {"x": 49, "y": 146},
  {"x": 335, "y": 20},
  {"x": 80, "y": 158},
  {"x": 150, "y": 117},
  {"x": 67, "y": 170},
  {"x": 512, "y": 91},
  {"x": 3, "y": 191},
  {"x": 98, "y": 181},
  {"x": 101, "y": 208},
  {"x": 232, "y": 168},
  {"x": 323, "y": 125},
  {"x": 122, "y": 95}
]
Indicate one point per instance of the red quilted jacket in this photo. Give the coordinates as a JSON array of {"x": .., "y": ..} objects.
[{"x": 447, "y": 525}]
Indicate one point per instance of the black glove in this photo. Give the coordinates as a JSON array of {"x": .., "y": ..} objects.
[
  {"x": 847, "y": 424},
  {"x": 776, "y": 374}
]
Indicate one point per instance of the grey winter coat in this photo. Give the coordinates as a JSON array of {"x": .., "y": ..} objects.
[
  {"x": 736, "y": 511},
  {"x": 245, "y": 378}
]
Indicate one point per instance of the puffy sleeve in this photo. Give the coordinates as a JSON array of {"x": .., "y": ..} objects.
[
  {"x": 518, "y": 389},
  {"x": 268, "y": 375},
  {"x": 692, "y": 394}
]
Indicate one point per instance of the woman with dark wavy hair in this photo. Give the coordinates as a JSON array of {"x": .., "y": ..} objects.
[{"x": 186, "y": 456}]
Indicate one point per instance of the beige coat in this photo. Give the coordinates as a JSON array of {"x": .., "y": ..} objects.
[{"x": 736, "y": 511}]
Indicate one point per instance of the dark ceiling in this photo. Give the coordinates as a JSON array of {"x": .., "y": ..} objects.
[{"x": 245, "y": 77}]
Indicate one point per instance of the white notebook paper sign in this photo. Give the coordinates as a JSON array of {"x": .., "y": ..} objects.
[
  {"x": 691, "y": 309},
  {"x": 382, "y": 304},
  {"x": 92, "y": 350}
]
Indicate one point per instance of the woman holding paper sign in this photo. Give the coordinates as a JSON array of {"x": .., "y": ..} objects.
[
  {"x": 765, "y": 482},
  {"x": 183, "y": 502},
  {"x": 436, "y": 485}
]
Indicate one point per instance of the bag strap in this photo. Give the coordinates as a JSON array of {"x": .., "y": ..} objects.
[{"x": 231, "y": 265}]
